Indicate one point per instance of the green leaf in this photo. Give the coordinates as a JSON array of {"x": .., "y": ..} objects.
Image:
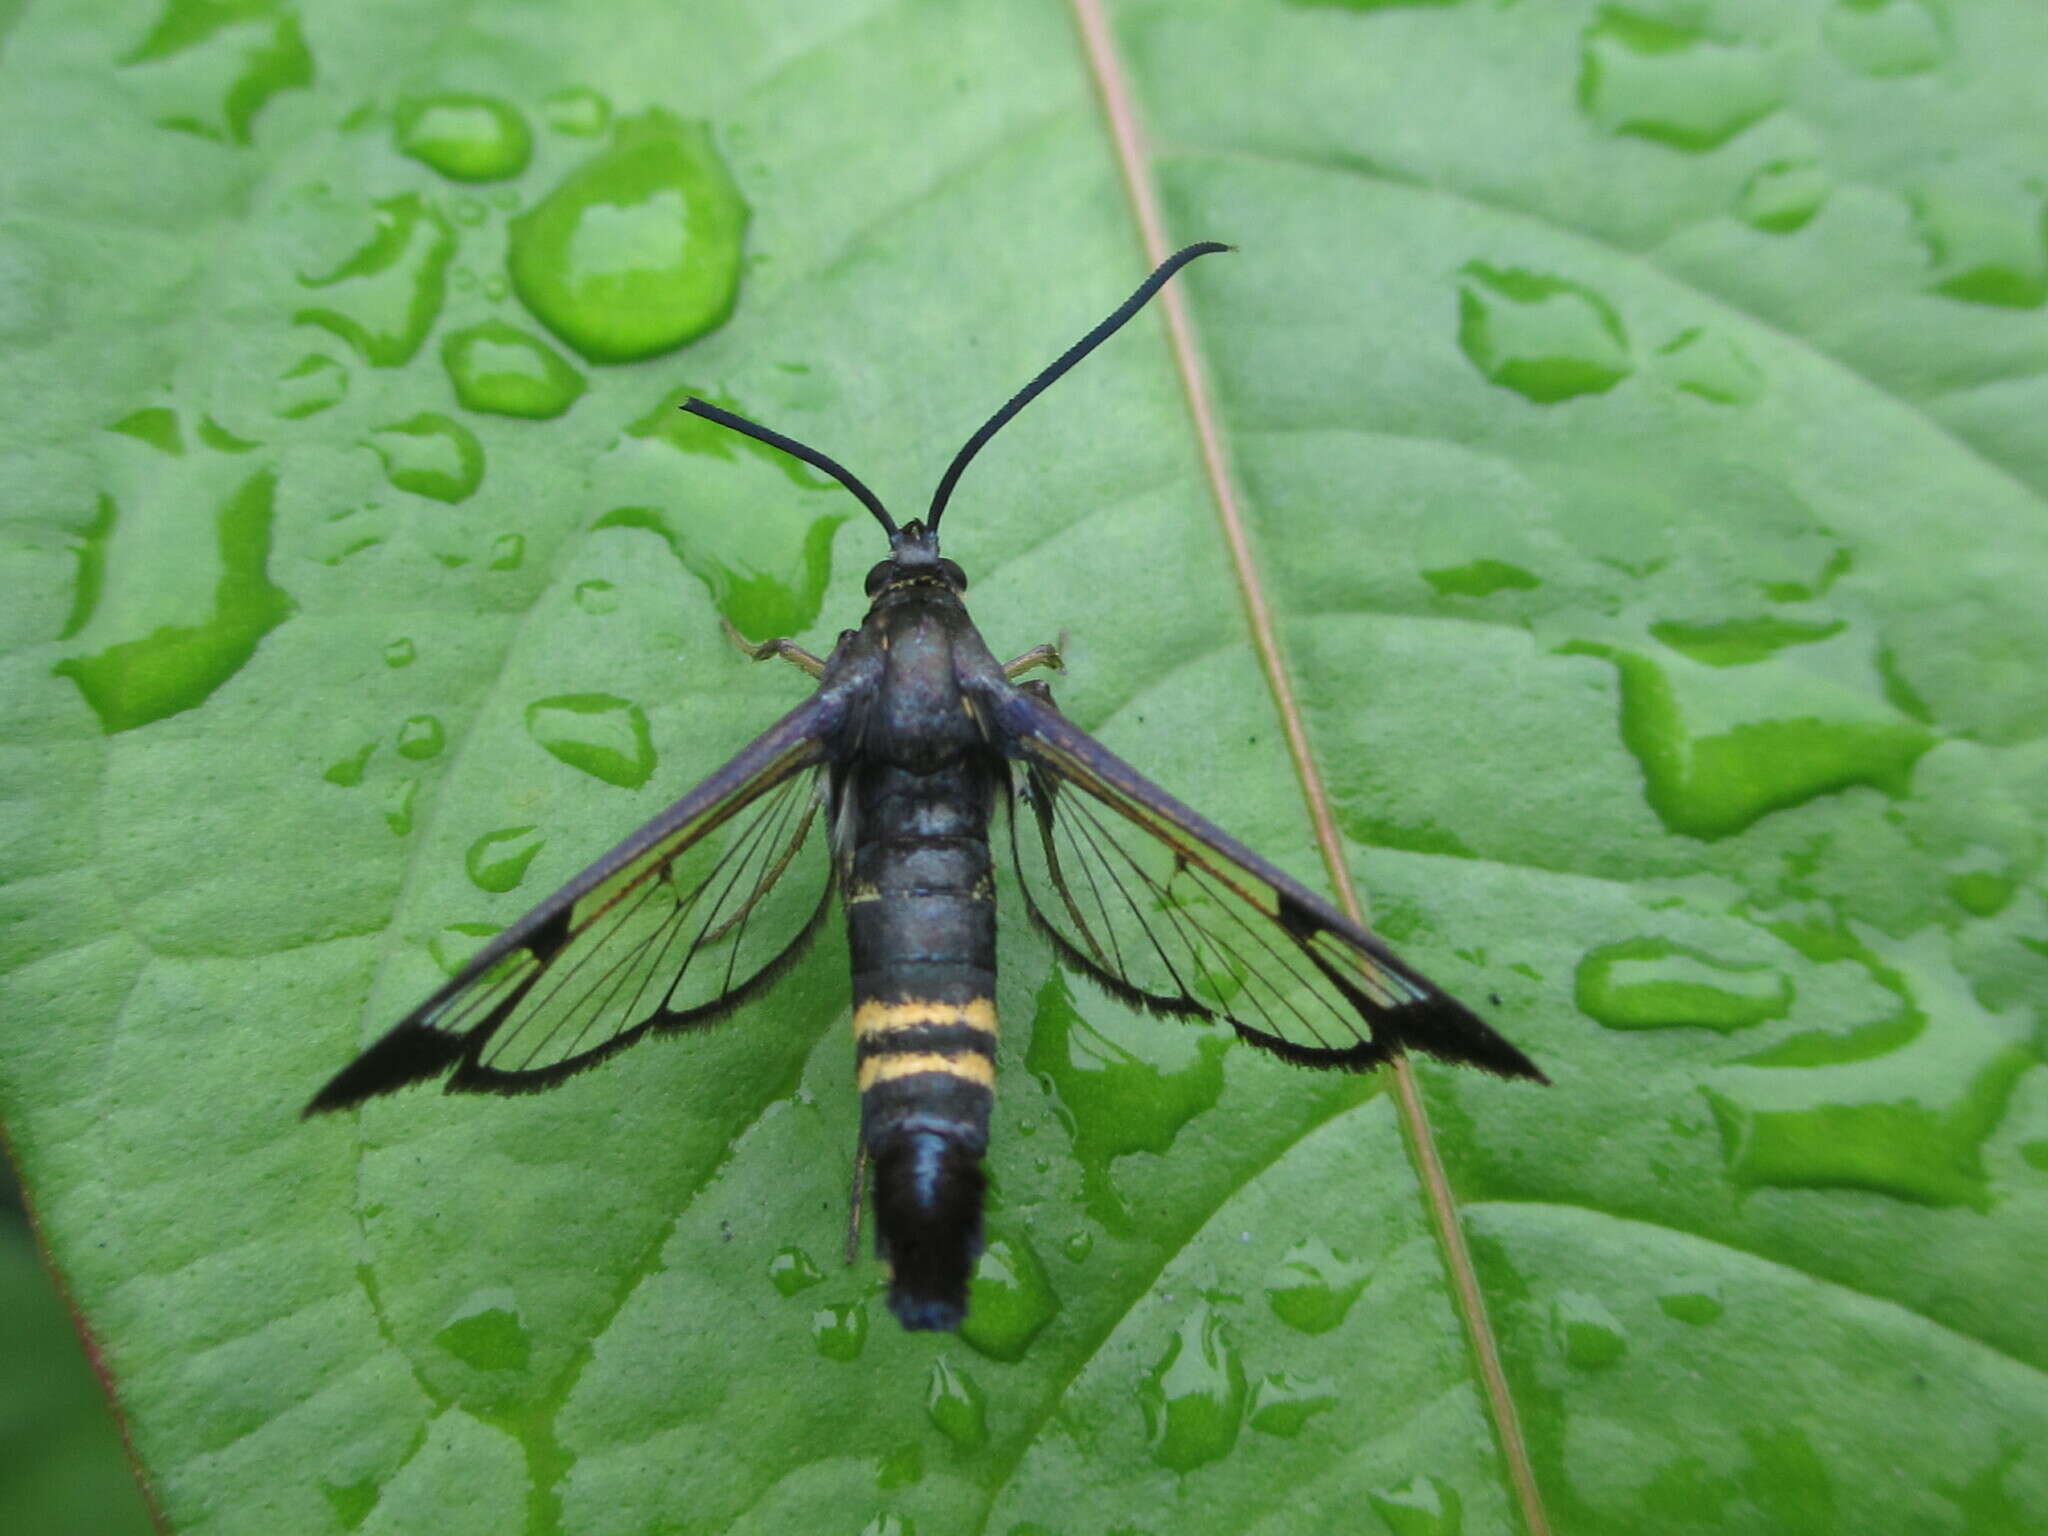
[{"x": 1635, "y": 412}]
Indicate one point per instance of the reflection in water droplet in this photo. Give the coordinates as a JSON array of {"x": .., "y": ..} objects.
[
  {"x": 399, "y": 653},
  {"x": 1544, "y": 337},
  {"x": 348, "y": 772},
  {"x": 465, "y": 138},
  {"x": 1314, "y": 1286},
  {"x": 209, "y": 68},
  {"x": 1691, "y": 1299},
  {"x": 1656, "y": 983},
  {"x": 1009, "y": 1299},
  {"x": 1985, "y": 239},
  {"x": 792, "y": 1270},
  {"x": 578, "y": 112},
  {"x": 420, "y": 738},
  {"x": 1667, "y": 81},
  {"x": 430, "y": 455},
  {"x": 497, "y": 861},
  {"x": 603, "y": 735},
  {"x": 176, "y": 667},
  {"x": 1282, "y": 1405},
  {"x": 455, "y": 945},
  {"x": 1782, "y": 196},
  {"x": 498, "y": 368},
  {"x": 385, "y": 295},
  {"x": 1741, "y": 642},
  {"x": 398, "y": 806},
  {"x": 1708, "y": 364},
  {"x": 637, "y": 250},
  {"x": 311, "y": 385},
  {"x": 840, "y": 1331},
  {"x": 784, "y": 601},
  {"x": 508, "y": 552},
  {"x": 1112, "y": 1100},
  {"x": 1588, "y": 1335},
  {"x": 1194, "y": 1398},
  {"x": 1422, "y": 1506},
  {"x": 957, "y": 1406},
  {"x": 1481, "y": 578},
  {"x": 157, "y": 426},
  {"x": 1884, "y": 38},
  {"x": 486, "y": 1333},
  {"x": 597, "y": 596}
]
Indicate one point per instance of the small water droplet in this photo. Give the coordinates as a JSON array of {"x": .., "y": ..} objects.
[
  {"x": 888, "y": 1524},
  {"x": 157, "y": 426},
  {"x": 1884, "y": 38},
  {"x": 497, "y": 861},
  {"x": 456, "y": 944},
  {"x": 496, "y": 287},
  {"x": 208, "y": 68},
  {"x": 1481, "y": 578},
  {"x": 1546, "y": 338},
  {"x": 1422, "y": 1506},
  {"x": 1009, "y": 1299},
  {"x": 1741, "y": 642},
  {"x": 465, "y": 138},
  {"x": 793, "y": 1270},
  {"x": 782, "y": 600},
  {"x": 1282, "y": 1405},
  {"x": 508, "y": 552},
  {"x": 385, "y": 295},
  {"x": 1691, "y": 1299},
  {"x": 1982, "y": 892},
  {"x": 398, "y": 806},
  {"x": 461, "y": 279},
  {"x": 637, "y": 250},
  {"x": 1782, "y": 196},
  {"x": 430, "y": 455},
  {"x": 957, "y": 1405},
  {"x": 1314, "y": 1286},
  {"x": 486, "y": 1333},
  {"x": 1985, "y": 239},
  {"x": 1194, "y": 1398},
  {"x": 498, "y": 368},
  {"x": 840, "y": 1331},
  {"x": 1657, "y": 983},
  {"x": 579, "y": 112},
  {"x": 1708, "y": 364},
  {"x": 902, "y": 1468},
  {"x": 604, "y": 736},
  {"x": 220, "y": 439},
  {"x": 313, "y": 384},
  {"x": 420, "y": 738},
  {"x": 348, "y": 772},
  {"x": 1587, "y": 1334},
  {"x": 1078, "y": 1246},
  {"x": 597, "y": 596},
  {"x": 1667, "y": 81},
  {"x": 399, "y": 653},
  {"x": 468, "y": 211}
]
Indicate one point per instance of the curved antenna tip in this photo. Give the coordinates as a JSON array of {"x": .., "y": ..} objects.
[{"x": 796, "y": 450}]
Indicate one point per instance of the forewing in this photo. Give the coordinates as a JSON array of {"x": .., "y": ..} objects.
[
  {"x": 687, "y": 918},
  {"x": 1173, "y": 914}
]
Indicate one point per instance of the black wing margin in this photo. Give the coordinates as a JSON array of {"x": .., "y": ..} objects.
[
  {"x": 686, "y": 919},
  {"x": 1172, "y": 914}
]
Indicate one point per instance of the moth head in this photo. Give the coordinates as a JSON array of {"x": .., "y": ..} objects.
[{"x": 914, "y": 556}]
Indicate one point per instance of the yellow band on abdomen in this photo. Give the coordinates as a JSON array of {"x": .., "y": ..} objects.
[
  {"x": 971, "y": 1065},
  {"x": 875, "y": 1019}
]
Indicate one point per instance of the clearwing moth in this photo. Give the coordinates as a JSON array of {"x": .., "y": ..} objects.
[{"x": 883, "y": 787}]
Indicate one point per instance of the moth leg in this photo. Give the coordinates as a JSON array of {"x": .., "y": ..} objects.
[
  {"x": 1047, "y": 656},
  {"x": 860, "y": 1189},
  {"x": 788, "y": 650}
]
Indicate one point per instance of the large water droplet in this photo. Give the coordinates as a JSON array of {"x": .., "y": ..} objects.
[
  {"x": 208, "y": 67},
  {"x": 957, "y": 1405},
  {"x": 638, "y": 250},
  {"x": 1587, "y": 1334},
  {"x": 465, "y": 138},
  {"x": 1884, "y": 38},
  {"x": 1481, "y": 578},
  {"x": 1985, "y": 239},
  {"x": 1546, "y": 338},
  {"x": 605, "y": 736},
  {"x": 1282, "y": 1405},
  {"x": 1708, "y": 364},
  {"x": 498, "y": 368},
  {"x": 486, "y": 1333},
  {"x": 784, "y": 600},
  {"x": 431, "y": 455},
  {"x": 1422, "y": 1506},
  {"x": 792, "y": 1270},
  {"x": 497, "y": 861},
  {"x": 1783, "y": 195},
  {"x": 1194, "y": 1398},
  {"x": 1668, "y": 81},
  {"x": 1742, "y": 642},
  {"x": 840, "y": 1331},
  {"x": 1656, "y": 983},
  {"x": 384, "y": 296},
  {"x": 1009, "y": 1299},
  {"x": 1314, "y": 1286},
  {"x": 1112, "y": 1100}
]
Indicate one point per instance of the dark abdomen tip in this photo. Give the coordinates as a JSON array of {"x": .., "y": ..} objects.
[{"x": 928, "y": 1193}]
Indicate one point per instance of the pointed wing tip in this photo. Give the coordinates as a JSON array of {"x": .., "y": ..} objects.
[{"x": 410, "y": 1053}]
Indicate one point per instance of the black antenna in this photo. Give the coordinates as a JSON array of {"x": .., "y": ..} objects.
[
  {"x": 797, "y": 450},
  {"x": 1067, "y": 359}
]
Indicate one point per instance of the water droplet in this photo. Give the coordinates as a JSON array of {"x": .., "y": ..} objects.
[
  {"x": 1587, "y": 1334},
  {"x": 1691, "y": 1299},
  {"x": 219, "y": 438},
  {"x": 901, "y": 1468},
  {"x": 1112, "y": 1100},
  {"x": 1656, "y": 983},
  {"x": 157, "y": 426},
  {"x": 176, "y": 667},
  {"x": 887, "y": 1524},
  {"x": 398, "y": 806},
  {"x": 497, "y": 861},
  {"x": 1667, "y": 81},
  {"x": 793, "y": 1270},
  {"x": 508, "y": 552},
  {"x": 486, "y": 1333},
  {"x": 498, "y": 368},
  {"x": 1314, "y": 1286},
  {"x": 597, "y": 596},
  {"x": 1981, "y": 892},
  {"x": 596, "y": 732},
  {"x": 1422, "y": 1506},
  {"x": 399, "y": 653},
  {"x": 313, "y": 384},
  {"x": 1741, "y": 642},
  {"x": 1708, "y": 364},
  {"x": 420, "y": 738},
  {"x": 348, "y": 772},
  {"x": 352, "y": 1502},
  {"x": 2035, "y": 1154},
  {"x": 468, "y": 211},
  {"x": 496, "y": 286},
  {"x": 1984, "y": 237},
  {"x": 1481, "y": 578},
  {"x": 1078, "y": 1246},
  {"x": 840, "y": 1331},
  {"x": 208, "y": 68},
  {"x": 1884, "y": 38},
  {"x": 1282, "y": 1405},
  {"x": 1783, "y": 196},
  {"x": 1009, "y": 1300},
  {"x": 957, "y": 1406},
  {"x": 782, "y": 600},
  {"x": 1194, "y": 1398},
  {"x": 387, "y": 293},
  {"x": 465, "y": 138},
  {"x": 1544, "y": 337},
  {"x": 578, "y": 112},
  {"x": 461, "y": 279},
  {"x": 431, "y": 455},
  {"x": 637, "y": 250},
  {"x": 456, "y": 944}
]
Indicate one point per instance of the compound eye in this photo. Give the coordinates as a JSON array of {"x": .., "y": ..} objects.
[
  {"x": 953, "y": 574},
  {"x": 879, "y": 577}
]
